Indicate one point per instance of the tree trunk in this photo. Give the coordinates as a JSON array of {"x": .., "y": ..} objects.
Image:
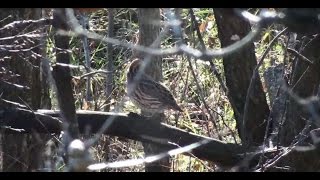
[
  {"x": 23, "y": 152},
  {"x": 110, "y": 54},
  {"x": 62, "y": 76},
  {"x": 305, "y": 83},
  {"x": 149, "y": 29},
  {"x": 238, "y": 69}
]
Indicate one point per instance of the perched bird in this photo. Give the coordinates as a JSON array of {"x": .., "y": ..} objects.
[{"x": 147, "y": 93}]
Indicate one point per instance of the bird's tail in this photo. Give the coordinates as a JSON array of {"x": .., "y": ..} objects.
[{"x": 177, "y": 107}]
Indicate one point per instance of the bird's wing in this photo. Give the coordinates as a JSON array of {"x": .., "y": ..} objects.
[{"x": 157, "y": 91}]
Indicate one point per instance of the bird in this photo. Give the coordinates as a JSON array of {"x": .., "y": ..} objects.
[{"x": 146, "y": 93}]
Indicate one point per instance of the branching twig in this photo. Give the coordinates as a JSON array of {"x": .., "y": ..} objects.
[
  {"x": 203, "y": 48},
  {"x": 302, "y": 57},
  {"x": 286, "y": 150},
  {"x": 9, "y": 16},
  {"x": 9, "y": 87},
  {"x": 16, "y": 48},
  {"x": 213, "y": 67},
  {"x": 27, "y": 35},
  {"x": 25, "y": 23},
  {"x": 203, "y": 55},
  {"x": 95, "y": 72},
  {"x": 226, "y": 125}
]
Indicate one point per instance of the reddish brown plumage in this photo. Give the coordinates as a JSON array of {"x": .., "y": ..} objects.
[{"x": 146, "y": 93}]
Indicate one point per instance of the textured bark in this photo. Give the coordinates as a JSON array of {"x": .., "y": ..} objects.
[
  {"x": 110, "y": 76},
  {"x": 62, "y": 74},
  {"x": 22, "y": 152},
  {"x": 149, "y": 29},
  {"x": 135, "y": 127},
  {"x": 131, "y": 126},
  {"x": 305, "y": 80},
  {"x": 110, "y": 66},
  {"x": 238, "y": 69}
]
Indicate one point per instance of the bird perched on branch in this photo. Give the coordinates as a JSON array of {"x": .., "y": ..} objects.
[{"x": 146, "y": 93}]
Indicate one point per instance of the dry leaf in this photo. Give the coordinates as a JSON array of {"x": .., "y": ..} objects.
[
  {"x": 203, "y": 26},
  {"x": 86, "y": 105}
]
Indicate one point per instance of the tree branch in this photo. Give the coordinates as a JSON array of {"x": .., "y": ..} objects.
[
  {"x": 18, "y": 25},
  {"x": 130, "y": 126}
]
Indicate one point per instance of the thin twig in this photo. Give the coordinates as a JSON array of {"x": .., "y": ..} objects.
[
  {"x": 36, "y": 118},
  {"x": 5, "y": 48},
  {"x": 203, "y": 47},
  {"x": 25, "y": 23},
  {"x": 212, "y": 65},
  {"x": 26, "y": 35},
  {"x": 226, "y": 125},
  {"x": 300, "y": 78},
  {"x": 9, "y": 16},
  {"x": 302, "y": 57},
  {"x": 272, "y": 108},
  {"x": 202, "y": 98},
  {"x": 297, "y": 140},
  {"x": 203, "y": 55},
  {"x": 150, "y": 159},
  {"x": 95, "y": 72}
]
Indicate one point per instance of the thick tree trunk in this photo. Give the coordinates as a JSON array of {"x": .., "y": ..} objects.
[
  {"x": 305, "y": 83},
  {"x": 23, "y": 152},
  {"x": 149, "y": 29},
  {"x": 238, "y": 69},
  {"x": 62, "y": 76}
]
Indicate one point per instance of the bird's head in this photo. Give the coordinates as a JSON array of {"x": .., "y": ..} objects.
[
  {"x": 133, "y": 70},
  {"x": 134, "y": 66}
]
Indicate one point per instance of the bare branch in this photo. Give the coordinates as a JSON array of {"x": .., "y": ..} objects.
[
  {"x": 130, "y": 126},
  {"x": 213, "y": 67},
  {"x": 202, "y": 98},
  {"x": 25, "y": 23},
  {"x": 28, "y": 35},
  {"x": 11, "y": 104},
  {"x": 95, "y": 72},
  {"x": 149, "y": 159},
  {"x": 203, "y": 55},
  {"x": 299, "y": 55},
  {"x": 11, "y": 87}
]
